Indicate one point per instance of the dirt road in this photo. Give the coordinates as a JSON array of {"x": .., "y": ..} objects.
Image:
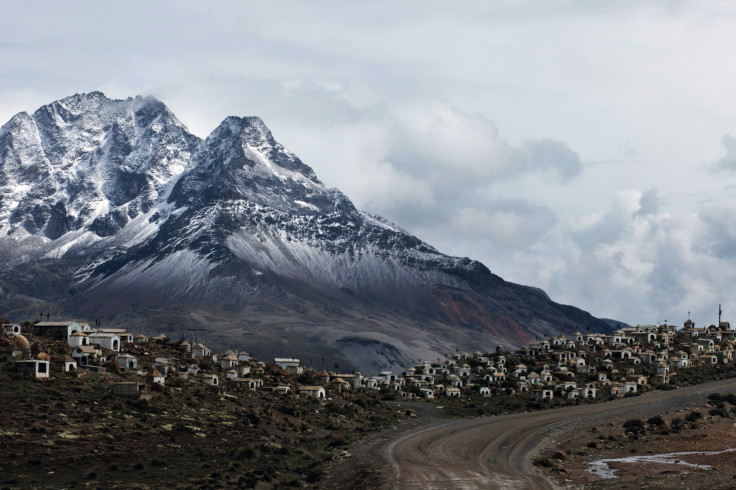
[{"x": 496, "y": 452}]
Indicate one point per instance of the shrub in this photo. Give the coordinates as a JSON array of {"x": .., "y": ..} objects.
[
  {"x": 656, "y": 420},
  {"x": 694, "y": 416},
  {"x": 361, "y": 402},
  {"x": 244, "y": 453},
  {"x": 717, "y": 397},
  {"x": 592, "y": 444},
  {"x": 337, "y": 440},
  {"x": 388, "y": 395},
  {"x": 719, "y": 412},
  {"x": 314, "y": 475},
  {"x": 543, "y": 462},
  {"x": 634, "y": 425}
]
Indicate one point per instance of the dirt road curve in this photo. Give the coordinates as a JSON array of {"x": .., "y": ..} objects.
[{"x": 496, "y": 452}]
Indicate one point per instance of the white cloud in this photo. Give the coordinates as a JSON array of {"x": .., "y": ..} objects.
[
  {"x": 550, "y": 155},
  {"x": 640, "y": 266},
  {"x": 505, "y": 226},
  {"x": 437, "y": 137}
]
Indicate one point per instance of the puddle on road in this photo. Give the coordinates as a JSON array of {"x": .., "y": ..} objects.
[{"x": 601, "y": 467}]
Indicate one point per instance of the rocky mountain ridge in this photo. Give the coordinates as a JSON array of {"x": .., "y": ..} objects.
[{"x": 112, "y": 209}]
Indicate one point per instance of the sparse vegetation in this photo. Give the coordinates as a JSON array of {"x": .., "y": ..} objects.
[
  {"x": 694, "y": 416},
  {"x": 718, "y": 412},
  {"x": 634, "y": 425},
  {"x": 193, "y": 434}
]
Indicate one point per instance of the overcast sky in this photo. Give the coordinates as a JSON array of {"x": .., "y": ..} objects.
[{"x": 584, "y": 147}]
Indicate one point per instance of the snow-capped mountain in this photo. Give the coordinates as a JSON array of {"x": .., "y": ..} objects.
[{"x": 112, "y": 209}]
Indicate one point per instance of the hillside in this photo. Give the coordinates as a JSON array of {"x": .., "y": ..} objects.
[{"x": 112, "y": 210}]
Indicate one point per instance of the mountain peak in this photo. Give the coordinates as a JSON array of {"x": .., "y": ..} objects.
[
  {"x": 89, "y": 163},
  {"x": 251, "y": 129},
  {"x": 248, "y": 141},
  {"x": 96, "y": 105},
  {"x": 112, "y": 209},
  {"x": 17, "y": 121},
  {"x": 79, "y": 103},
  {"x": 95, "y": 95}
]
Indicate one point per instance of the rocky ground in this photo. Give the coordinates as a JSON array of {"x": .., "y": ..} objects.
[
  {"x": 693, "y": 428},
  {"x": 71, "y": 432},
  {"x": 685, "y": 425}
]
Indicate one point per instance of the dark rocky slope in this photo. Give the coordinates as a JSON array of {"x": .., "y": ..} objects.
[{"x": 111, "y": 209}]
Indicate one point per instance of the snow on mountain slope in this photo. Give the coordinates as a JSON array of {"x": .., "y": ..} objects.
[
  {"x": 88, "y": 163},
  {"x": 118, "y": 202}
]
